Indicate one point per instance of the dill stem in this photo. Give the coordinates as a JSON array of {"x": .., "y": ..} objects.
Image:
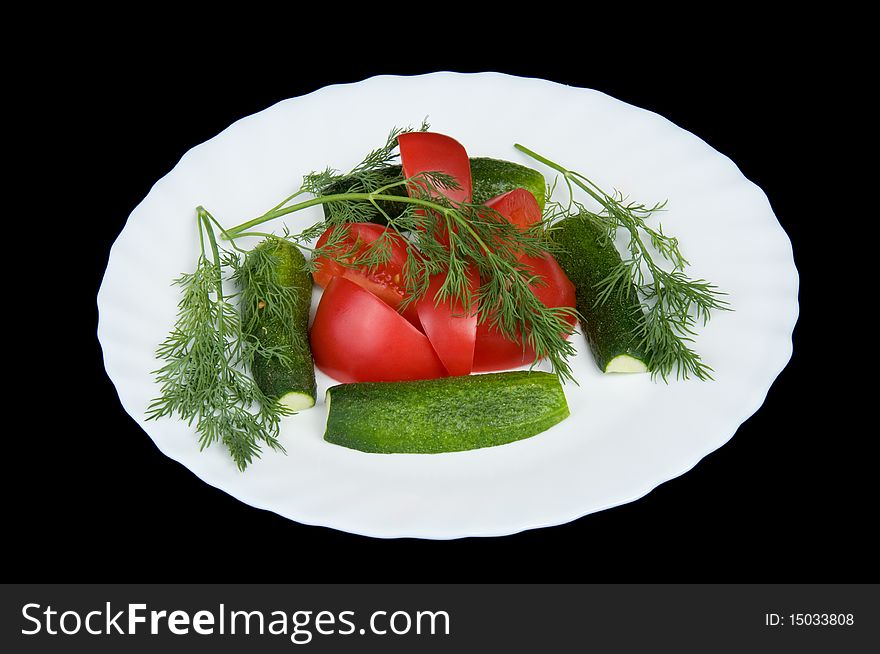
[
  {"x": 199, "y": 211},
  {"x": 287, "y": 199},
  {"x": 204, "y": 217},
  {"x": 325, "y": 199},
  {"x": 543, "y": 160},
  {"x": 257, "y": 234},
  {"x": 569, "y": 175}
]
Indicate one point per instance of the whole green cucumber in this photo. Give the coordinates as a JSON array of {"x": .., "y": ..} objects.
[
  {"x": 444, "y": 415},
  {"x": 612, "y": 326},
  {"x": 489, "y": 177},
  {"x": 290, "y": 377}
]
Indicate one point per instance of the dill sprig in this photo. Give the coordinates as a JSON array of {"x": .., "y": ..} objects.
[
  {"x": 203, "y": 380},
  {"x": 672, "y": 303},
  {"x": 371, "y": 174}
]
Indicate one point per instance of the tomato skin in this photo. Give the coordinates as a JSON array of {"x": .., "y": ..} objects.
[
  {"x": 356, "y": 337},
  {"x": 494, "y": 351},
  {"x": 519, "y": 206},
  {"x": 422, "y": 152},
  {"x": 385, "y": 281},
  {"x": 452, "y": 333}
]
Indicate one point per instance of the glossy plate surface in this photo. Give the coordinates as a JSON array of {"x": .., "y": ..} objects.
[{"x": 626, "y": 434}]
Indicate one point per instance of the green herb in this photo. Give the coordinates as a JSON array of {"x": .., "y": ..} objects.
[
  {"x": 672, "y": 303},
  {"x": 204, "y": 378}
]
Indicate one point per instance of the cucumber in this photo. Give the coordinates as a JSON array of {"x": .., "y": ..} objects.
[
  {"x": 490, "y": 177},
  {"x": 493, "y": 177},
  {"x": 291, "y": 379},
  {"x": 444, "y": 415},
  {"x": 610, "y": 327}
]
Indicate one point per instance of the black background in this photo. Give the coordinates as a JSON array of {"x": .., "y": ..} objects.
[{"x": 787, "y": 499}]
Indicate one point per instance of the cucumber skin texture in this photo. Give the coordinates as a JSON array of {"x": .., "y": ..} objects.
[
  {"x": 490, "y": 177},
  {"x": 274, "y": 377},
  {"x": 611, "y": 329},
  {"x": 449, "y": 414}
]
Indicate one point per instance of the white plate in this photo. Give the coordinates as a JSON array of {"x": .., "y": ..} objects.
[{"x": 626, "y": 434}]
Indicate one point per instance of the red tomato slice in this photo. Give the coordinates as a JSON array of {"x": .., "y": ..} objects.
[
  {"x": 451, "y": 332},
  {"x": 494, "y": 351},
  {"x": 385, "y": 282},
  {"x": 357, "y": 337},
  {"x": 423, "y": 152},
  {"x": 519, "y": 206}
]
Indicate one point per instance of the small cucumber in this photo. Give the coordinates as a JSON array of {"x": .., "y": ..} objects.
[
  {"x": 611, "y": 327},
  {"x": 490, "y": 177},
  {"x": 291, "y": 377},
  {"x": 444, "y": 415}
]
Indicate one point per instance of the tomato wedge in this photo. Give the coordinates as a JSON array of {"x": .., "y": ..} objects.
[
  {"x": 357, "y": 337},
  {"x": 385, "y": 282},
  {"x": 424, "y": 152},
  {"x": 519, "y": 206},
  {"x": 493, "y": 350},
  {"x": 451, "y": 331}
]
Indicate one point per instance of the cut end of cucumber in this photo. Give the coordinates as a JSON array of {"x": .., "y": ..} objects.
[
  {"x": 626, "y": 363},
  {"x": 297, "y": 401}
]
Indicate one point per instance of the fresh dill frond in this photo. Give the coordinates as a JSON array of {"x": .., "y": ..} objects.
[
  {"x": 203, "y": 379},
  {"x": 367, "y": 176},
  {"x": 671, "y": 303}
]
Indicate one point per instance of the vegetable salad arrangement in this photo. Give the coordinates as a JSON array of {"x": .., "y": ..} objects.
[{"x": 434, "y": 265}]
